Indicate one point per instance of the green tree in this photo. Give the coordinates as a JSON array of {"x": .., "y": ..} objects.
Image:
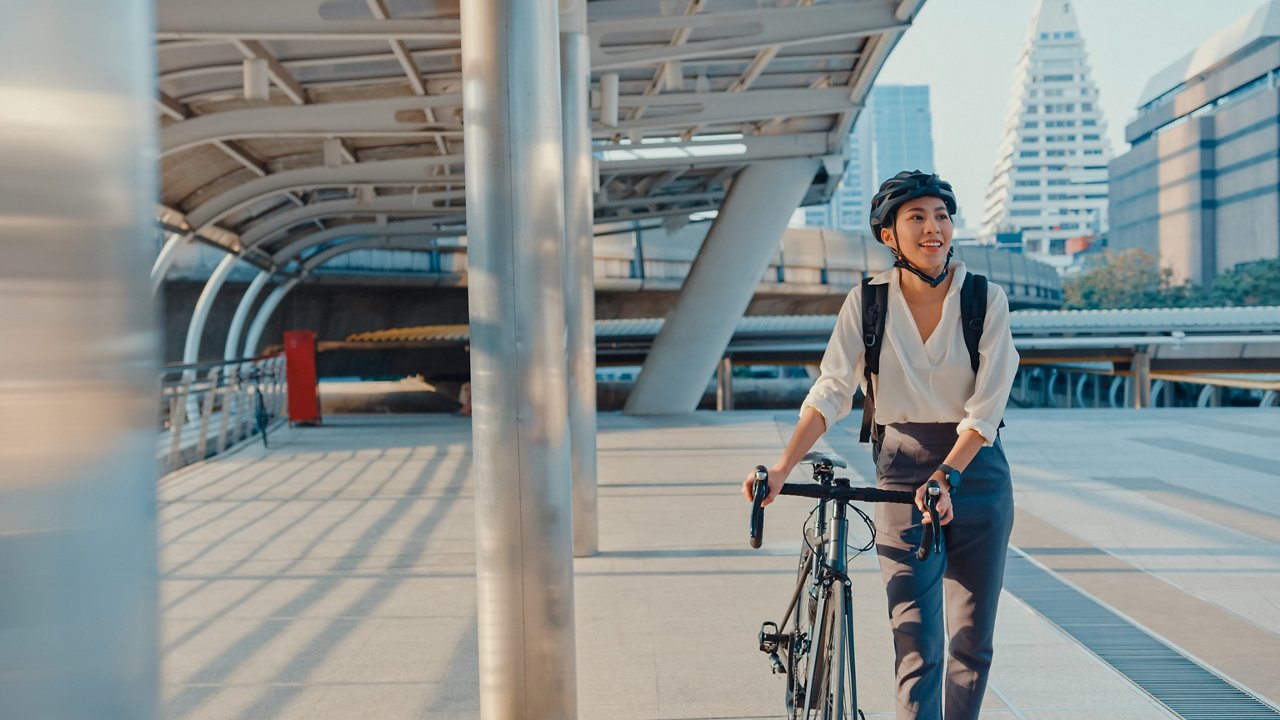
[
  {"x": 1127, "y": 279},
  {"x": 1255, "y": 283}
]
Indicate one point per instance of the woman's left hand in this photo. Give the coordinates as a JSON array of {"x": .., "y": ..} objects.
[{"x": 945, "y": 511}]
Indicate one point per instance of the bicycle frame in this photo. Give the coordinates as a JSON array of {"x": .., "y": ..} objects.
[
  {"x": 825, "y": 642},
  {"x": 829, "y": 577}
]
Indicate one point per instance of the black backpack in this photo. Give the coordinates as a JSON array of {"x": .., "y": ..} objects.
[{"x": 875, "y": 301}]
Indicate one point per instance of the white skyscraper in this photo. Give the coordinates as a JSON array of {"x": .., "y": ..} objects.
[{"x": 1050, "y": 179}]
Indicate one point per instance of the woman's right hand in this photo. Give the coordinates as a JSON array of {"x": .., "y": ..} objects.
[{"x": 777, "y": 476}]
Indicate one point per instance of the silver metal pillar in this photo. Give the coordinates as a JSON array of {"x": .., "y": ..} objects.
[
  {"x": 78, "y": 363},
  {"x": 515, "y": 239},
  {"x": 579, "y": 270},
  {"x": 724, "y": 384},
  {"x": 720, "y": 286}
]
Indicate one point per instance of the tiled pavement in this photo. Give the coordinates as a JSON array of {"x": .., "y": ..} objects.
[{"x": 332, "y": 576}]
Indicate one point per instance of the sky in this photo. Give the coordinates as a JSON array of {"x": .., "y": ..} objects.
[{"x": 966, "y": 51}]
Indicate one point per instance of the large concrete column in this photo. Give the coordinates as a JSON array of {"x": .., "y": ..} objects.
[
  {"x": 720, "y": 286},
  {"x": 78, "y": 362},
  {"x": 515, "y": 239},
  {"x": 579, "y": 270}
]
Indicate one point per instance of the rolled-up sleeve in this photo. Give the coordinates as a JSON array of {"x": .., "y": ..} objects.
[
  {"x": 842, "y": 364},
  {"x": 998, "y": 363}
]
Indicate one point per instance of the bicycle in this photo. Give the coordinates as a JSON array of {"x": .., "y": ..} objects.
[
  {"x": 823, "y": 636},
  {"x": 261, "y": 417}
]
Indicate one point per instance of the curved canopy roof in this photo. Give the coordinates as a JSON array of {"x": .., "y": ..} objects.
[{"x": 361, "y": 120}]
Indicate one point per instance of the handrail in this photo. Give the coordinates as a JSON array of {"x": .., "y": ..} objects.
[{"x": 207, "y": 407}]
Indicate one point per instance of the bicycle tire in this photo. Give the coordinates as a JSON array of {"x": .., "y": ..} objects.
[
  {"x": 831, "y": 672},
  {"x": 261, "y": 418},
  {"x": 803, "y": 613}
]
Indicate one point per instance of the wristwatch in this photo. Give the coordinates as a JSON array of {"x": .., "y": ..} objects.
[{"x": 952, "y": 475}]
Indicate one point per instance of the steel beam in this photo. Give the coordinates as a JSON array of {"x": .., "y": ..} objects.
[{"x": 755, "y": 29}]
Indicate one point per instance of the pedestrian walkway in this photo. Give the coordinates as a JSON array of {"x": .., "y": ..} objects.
[{"x": 333, "y": 575}]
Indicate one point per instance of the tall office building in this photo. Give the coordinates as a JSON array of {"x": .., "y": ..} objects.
[
  {"x": 1200, "y": 186},
  {"x": 903, "y": 129},
  {"x": 1050, "y": 179},
  {"x": 850, "y": 204},
  {"x": 894, "y": 132}
]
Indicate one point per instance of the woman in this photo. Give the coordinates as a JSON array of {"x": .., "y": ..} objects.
[{"x": 940, "y": 421}]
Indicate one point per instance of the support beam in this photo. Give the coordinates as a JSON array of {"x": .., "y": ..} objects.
[
  {"x": 515, "y": 231},
  {"x": 1139, "y": 390},
  {"x": 80, "y": 358},
  {"x": 255, "y": 50},
  {"x": 250, "y": 295},
  {"x": 757, "y": 29},
  {"x": 579, "y": 272},
  {"x": 404, "y": 170},
  {"x": 720, "y": 286},
  {"x": 287, "y": 20},
  {"x": 361, "y": 117}
]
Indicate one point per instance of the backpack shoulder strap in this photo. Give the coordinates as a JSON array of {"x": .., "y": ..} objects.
[
  {"x": 875, "y": 301},
  {"x": 973, "y": 313}
]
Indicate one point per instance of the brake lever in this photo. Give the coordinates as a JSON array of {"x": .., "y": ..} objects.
[
  {"x": 759, "y": 492},
  {"x": 932, "y": 540}
]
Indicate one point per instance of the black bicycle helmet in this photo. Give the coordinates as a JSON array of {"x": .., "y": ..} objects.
[{"x": 907, "y": 185}]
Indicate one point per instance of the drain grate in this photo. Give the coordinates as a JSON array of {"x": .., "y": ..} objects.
[{"x": 1181, "y": 684}]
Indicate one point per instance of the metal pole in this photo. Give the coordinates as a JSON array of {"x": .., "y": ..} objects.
[
  {"x": 1140, "y": 379},
  {"x": 579, "y": 271},
  {"x": 79, "y": 362},
  {"x": 724, "y": 384},
  {"x": 515, "y": 238}
]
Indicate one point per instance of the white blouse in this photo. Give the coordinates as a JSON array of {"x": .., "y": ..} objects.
[{"x": 921, "y": 381}]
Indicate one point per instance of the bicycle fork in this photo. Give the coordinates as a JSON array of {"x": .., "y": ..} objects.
[{"x": 837, "y": 588}]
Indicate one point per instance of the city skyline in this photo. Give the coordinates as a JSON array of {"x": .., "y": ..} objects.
[{"x": 970, "y": 82}]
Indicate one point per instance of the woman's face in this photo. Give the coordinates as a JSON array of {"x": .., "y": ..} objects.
[{"x": 922, "y": 233}]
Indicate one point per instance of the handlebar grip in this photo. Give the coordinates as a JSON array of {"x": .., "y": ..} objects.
[{"x": 758, "y": 493}]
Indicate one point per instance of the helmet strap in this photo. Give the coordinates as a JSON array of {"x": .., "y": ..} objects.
[{"x": 900, "y": 261}]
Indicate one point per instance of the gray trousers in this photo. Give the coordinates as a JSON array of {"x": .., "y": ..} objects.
[{"x": 970, "y": 573}]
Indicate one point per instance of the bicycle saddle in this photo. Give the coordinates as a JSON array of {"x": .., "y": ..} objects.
[{"x": 817, "y": 458}]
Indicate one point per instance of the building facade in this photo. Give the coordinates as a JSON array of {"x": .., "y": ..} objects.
[
  {"x": 1050, "y": 178},
  {"x": 1200, "y": 186},
  {"x": 894, "y": 132}
]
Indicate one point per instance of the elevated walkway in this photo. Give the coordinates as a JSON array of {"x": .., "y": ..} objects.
[{"x": 333, "y": 575}]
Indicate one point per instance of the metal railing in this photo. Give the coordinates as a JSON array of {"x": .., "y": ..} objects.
[{"x": 208, "y": 407}]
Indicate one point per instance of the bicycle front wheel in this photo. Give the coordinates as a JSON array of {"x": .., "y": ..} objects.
[{"x": 828, "y": 691}]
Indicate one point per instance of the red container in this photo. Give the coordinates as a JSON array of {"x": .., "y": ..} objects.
[{"x": 300, "y": 368}]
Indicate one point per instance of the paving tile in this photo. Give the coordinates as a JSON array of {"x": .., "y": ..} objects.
[{"x": 333, "y": 576}]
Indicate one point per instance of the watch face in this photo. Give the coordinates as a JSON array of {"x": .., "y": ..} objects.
[{"x": 953, "y": 478}]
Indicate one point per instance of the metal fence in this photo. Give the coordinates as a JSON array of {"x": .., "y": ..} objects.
[{"x": 206, "y": 408}]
